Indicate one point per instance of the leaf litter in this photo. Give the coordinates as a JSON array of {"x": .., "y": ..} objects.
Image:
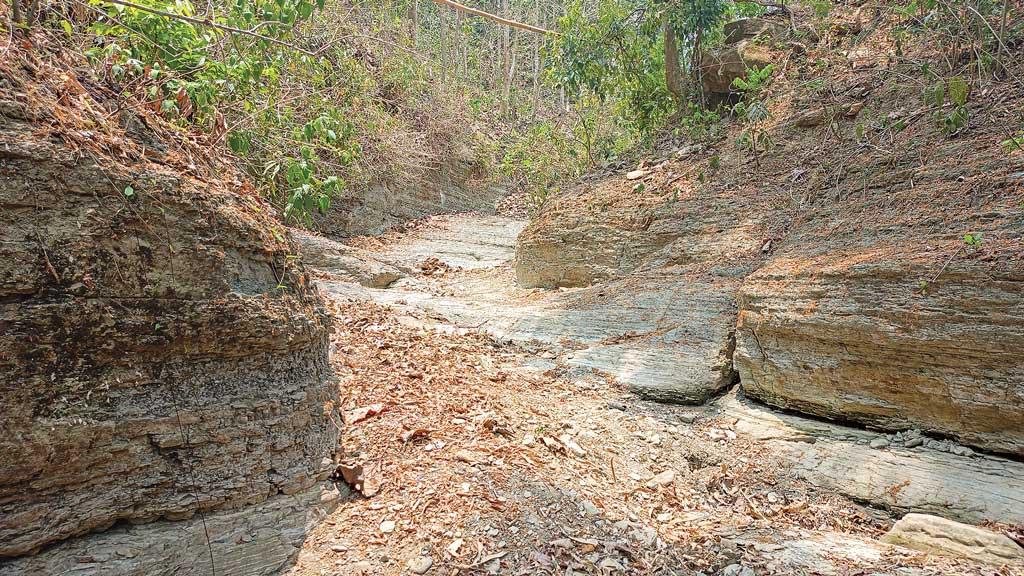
[{"x": 479, "y": 462}]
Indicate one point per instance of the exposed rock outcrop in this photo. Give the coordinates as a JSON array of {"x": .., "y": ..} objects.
[
  {"x": 746, "y": 46},
  {"x": 858, "y": 297},
  {"x": 163, "y": 355},
  {"x": 345, "y": 262},
  {"x": 941, "y": 536}
]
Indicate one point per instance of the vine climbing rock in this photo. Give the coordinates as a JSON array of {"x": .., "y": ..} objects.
[{"x": 167, "y": 397}]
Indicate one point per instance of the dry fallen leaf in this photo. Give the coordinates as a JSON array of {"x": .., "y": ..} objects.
[{"x": 362, "y": 413}]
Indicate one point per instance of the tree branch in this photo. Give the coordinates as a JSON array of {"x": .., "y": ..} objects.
[
  {"x": 498, "y": 19},
  {"x": 212, "y": 24}
]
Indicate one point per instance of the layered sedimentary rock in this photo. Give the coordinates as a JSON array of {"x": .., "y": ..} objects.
[
  {"x": 865, "y": 342},
  {"x": 942, "y": 536},
  {"x": 880, "y": 287},
  {"x": 162, "y": 353}
]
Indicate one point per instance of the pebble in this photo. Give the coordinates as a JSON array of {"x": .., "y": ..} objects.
[
  {"x": 738, "y": 570},
  {"x": 613, "y": 405},
  {"x": 590, "y": 508},
  {"x": 339, "y": 548},
  {"x": 420, "y": 564},
  {"x": 663, "y": 479},
  {"x": 914, "y": 442},
  {"x": 359, "y": 568},
  {"x": 879, "y": 443},
  {"x": 387, "y": 526},
  {"x": 962, "y": 451},
  {"x": 688, "y": 418}
]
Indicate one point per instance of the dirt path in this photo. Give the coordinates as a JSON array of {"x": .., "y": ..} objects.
[{"x": 491, "y": 430}]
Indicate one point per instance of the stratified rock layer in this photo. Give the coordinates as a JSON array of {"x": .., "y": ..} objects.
[
  {"x": 862, "y": 291},
  {"x": 941, "y": 536},
  {"x": 862, "y": 343},
  {"x": 163, "y": 355}
]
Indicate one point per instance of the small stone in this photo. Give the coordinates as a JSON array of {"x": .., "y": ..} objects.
[
  {"x": 879, "y": 443},
  {"x": 914, "y": 442},
  {"x": 590, "y": 509},
  {"x": 613, "y": 405},
  {"x": 387, "y": 526},
  {"x": 961, "y": 451},
  {"x": 420, "y": 564},
  {"x": 738, "y": 570},
  {"x": 663, "y": 479},
  {"x": 688, "y": 418},
  {"x": 362, "y": 568},
  {"x": 339, "y": 548},
  {"x": 636, "y": 174}
]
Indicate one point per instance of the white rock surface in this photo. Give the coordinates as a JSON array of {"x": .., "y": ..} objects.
[{"x": 938, "y": 535}]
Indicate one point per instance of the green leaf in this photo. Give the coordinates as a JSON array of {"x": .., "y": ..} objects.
[
  {"x": 958, "y": 90},
  {"x": 129, "y": 191}
]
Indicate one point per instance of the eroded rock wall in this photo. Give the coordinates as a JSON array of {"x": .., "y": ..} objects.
[
  {"x": 857, "y": 296},
  {"x": 456, "y": 183},
  {"x": 163, "y": 354}
]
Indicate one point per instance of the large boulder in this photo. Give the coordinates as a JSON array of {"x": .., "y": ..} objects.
[
  {"x": 720, "y": 67},
  {"x": 163, "y": 354},
  {"x": 749, "y": 28},
  {"x": 937, "y": 535}
]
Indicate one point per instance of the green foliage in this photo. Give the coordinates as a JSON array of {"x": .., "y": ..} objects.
[
  {"x": 950, "y": 96},
  {"x": 612, "y": 55},
  {"x": 753, "y": 110},
  {"x": 1013, "y": 144},
  {"x": 617, "y": 52},
  {"x": 702, "y": 125},
  {"x": 197, "y": 74},
  {"x": 973, "y": 240},
  {"x": 755, "y": 82}
]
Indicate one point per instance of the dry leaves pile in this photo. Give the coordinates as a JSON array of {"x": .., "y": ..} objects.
[{"x": 468, "y": 457}]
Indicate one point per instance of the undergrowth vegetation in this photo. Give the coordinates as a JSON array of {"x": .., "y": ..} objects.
[{"x": 321, "y": 99}]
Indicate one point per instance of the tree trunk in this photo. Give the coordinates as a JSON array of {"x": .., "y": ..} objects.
[
  {"x": 695, "y": 73},
  {"x": 506, "y": 61},
  {"x": 413, "y": 17},
  {"x": 444, "y": 53},
  {"x": 673, "y": 70},
  {"x": 461, "y": 48},
  {"x": 536, "y": 60}
]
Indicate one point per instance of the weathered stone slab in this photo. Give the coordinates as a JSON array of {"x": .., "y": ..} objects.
[
  {"x": 456, "y": 183},
  {"x": 941, "y": 536},
  {"x": 257, "y": 540},
  {"x": 974, "y": 489},
  {"x": 346, "y": 262}
]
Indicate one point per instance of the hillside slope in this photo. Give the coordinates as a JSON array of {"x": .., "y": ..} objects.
[
  {"x": 874, "y": 263},
  {"x": 164, "y": 354}
]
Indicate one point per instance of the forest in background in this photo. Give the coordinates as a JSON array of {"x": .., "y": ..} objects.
[{"x": 317, "y": 98}]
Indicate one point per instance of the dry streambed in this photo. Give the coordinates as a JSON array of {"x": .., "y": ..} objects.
[{"x": 492, "y": 430}]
